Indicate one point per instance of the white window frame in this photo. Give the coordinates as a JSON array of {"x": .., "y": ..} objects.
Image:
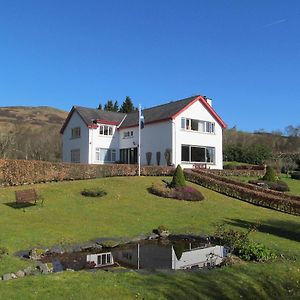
[
  {"x": 212, "y": 151},
  {"x": 75, "y": 132},
  {"x": 112, "y": 154},
  {"x": 106, "y": 130},
  {"x": 106, "y": 255},
  {"x": 203, "y": 126},
  {"x": 127, "y": 134},
  {"x": 75, "y": 156}
]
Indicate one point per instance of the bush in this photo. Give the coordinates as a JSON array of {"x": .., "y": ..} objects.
[
  {"x": 295, "y": 175},
  {"x": 93, "y": 192},
  {"x": 178, "y": 178},
  {"x": 239, "y": 244},
  {"x": 181, "y": 193},
  {"x": 278, "y": 185},
  {"x": 269, "y": 175},
  {"x": 267, "y": 198}
]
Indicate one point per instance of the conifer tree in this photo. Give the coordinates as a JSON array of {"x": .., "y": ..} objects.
[{"x": 127, "y": 106}]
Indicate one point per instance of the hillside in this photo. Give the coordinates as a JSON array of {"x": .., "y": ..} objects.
[
  {"x": 31, "y": 132},
  {"x": 32, "y": 117}
]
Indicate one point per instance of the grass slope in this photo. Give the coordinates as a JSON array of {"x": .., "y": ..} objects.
[{"x": 128, "y": 210}]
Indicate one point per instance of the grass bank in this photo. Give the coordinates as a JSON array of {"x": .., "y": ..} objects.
[{"x": 127, "y": 210}]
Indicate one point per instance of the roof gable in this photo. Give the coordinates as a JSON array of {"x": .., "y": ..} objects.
[{"x": 160, "y": 113}]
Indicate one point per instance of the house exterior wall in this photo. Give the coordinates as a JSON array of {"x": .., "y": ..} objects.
[
  {"x": 185, "y": 137},
  {"x": 81, "y": 143},
  {"x": 205, "y": 257},
  {"x": 100, "y": 141},
  {"x": 156, "y": 137}
]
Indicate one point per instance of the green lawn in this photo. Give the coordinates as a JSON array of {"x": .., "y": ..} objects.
[{"x": 128, "y": 210}]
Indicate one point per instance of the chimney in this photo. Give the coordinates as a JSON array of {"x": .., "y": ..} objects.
[{"x": 208, "y": 100}]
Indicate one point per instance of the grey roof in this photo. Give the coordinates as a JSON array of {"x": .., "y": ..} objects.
[
  {"x": 153, "y": 114},
  {"x": 156, "y": 113},
  {"x": 90, "y": 114}
]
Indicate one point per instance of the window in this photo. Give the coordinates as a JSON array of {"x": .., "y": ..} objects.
[
  {"x": 197, "y": 154},
  {"x": 75, "y": 156},
  {"x": 104, "y": 259},
  {"x": 105, "y": 155},
  {"x": 105, "y": 130},
  {"x": 75, "y": 132},
  {"x": 127, "y": 134},
  {"x": 197, "y": 125}
]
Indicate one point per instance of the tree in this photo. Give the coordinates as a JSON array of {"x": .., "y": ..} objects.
[
  {"x": 100, "y": 106},
  {"x": 127, "y": 106},
  {"x": 109, "y": 106},
  {"x": 116, "y": 106},
  {"x": 178, "y": 178}
]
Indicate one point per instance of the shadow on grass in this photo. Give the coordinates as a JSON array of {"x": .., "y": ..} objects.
[
  {"x": 229, "y": 283},
  {"x": 286, "y": 229},
  {"x": 19, "y": 205}
]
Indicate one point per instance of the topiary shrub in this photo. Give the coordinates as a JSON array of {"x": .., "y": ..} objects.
[
  {"x": 93, "y": 192},
  {"x": 295, "y": 175},
  {"x": 178, "y": 178},
  {"x": 269, "y": 175}
]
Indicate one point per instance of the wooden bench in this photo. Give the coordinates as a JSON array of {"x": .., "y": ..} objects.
[
  {"x": 200, "y": 166},
  {"x": 27, "y": 196}
]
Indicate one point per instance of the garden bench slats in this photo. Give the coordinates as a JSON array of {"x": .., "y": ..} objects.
[{"x": 27, "y": 196}]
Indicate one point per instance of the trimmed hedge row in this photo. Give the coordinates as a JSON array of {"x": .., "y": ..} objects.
[
  {"x": 239, "y": 172},
  {"x": 18, "y": 172},
  {"x": 249, "y": 185},
  {"x": 243, "y": 191}
]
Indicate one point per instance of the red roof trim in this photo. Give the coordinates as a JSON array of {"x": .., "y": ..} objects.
[
  {"x": 146, "y": 123},
  {"x": 107, "y": 122},
  {"x": 68, "y": 119},
  {"x": 207, "y": 106}
]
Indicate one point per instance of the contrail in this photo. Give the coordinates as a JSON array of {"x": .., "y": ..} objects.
[{"x": 275, "y": 23}]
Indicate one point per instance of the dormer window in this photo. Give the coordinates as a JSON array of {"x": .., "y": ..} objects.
[
  {"x": 75, "y": 133},
  {"x": 105, "y": 130}
]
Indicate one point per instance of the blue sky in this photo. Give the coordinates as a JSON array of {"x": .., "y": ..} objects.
[{"x": 245, "y": 55}]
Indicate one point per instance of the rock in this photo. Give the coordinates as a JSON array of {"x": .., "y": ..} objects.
[
  {"x": 20, "y": 274},
  {"x": 28, "y": 271},
  {"x": 153, "y": 236},
  {"x": 37, "y": 253},
  {"x": 14, "y": 276},
  {"x": 42, "y": 268},
  {"x": 70, "y": 270},
  {"x": 7, "y": 276},
  {"x": 110, "y": 244},
  {"x": 164, "y": 233},
  {"x": 57, "y": 249}
]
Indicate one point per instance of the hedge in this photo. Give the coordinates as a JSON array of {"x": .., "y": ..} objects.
[
  {"x": 240, "y": 172},
  {"x": 18, "y": 172},
  {"x": 246, "y": 192}
]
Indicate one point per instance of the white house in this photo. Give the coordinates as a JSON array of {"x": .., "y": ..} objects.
[{"x": 184, "y": 132}]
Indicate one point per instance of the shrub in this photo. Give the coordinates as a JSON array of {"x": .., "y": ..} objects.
[
  {"x": 239, "y": 244},
  {"x": 93, "y": 192},
  {"x": 272, "y": 199},
  {"x": 254, "y": 251},
  {"x": 3, "y": 251},
  {"x": 178, "y": 178},
  {"x": 269, "y": 175},
  {"x": 295, "y": 175},
  {"x": 278, "y": 185},
  {"x": 181, "y": 193}
]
